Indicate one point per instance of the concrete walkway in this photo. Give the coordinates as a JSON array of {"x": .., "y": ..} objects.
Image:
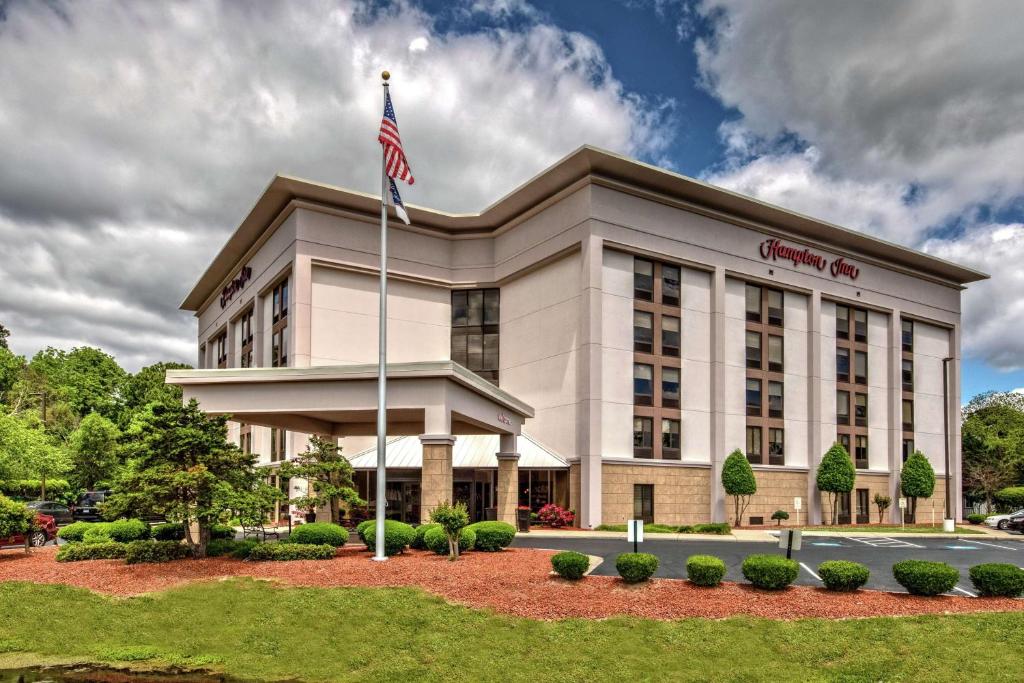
[{"x": 771, "y": 535}]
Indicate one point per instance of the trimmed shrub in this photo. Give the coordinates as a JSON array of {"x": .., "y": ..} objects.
[
  {"x": 98, "y": 533},
  {"x": 320, "y": 533},
  {"x": 492, "y": 536},
  {"x": 222, "y": 532},
  {"x": 770, "y": 572},
  {"x": 570, "y": 564},
  {"x": 1011, "y": 497},
  {"x": 15, "y": 518},
  {"x": 779, "y": 516},
  {"x": 720, "y": 528},
  {"x": 290, "y": 551},
  {"x": 397, "y": 535},
  {"x": 636, "y": 567},
  {"x": 75, "y": 552},
  {"x": 171, "y": 531},
  {"x": 220, "y": 547},
  {"x": 921, "y": 577},
  {"x": 453, "y": 518},
  {"x": 74, "y": 532},
  {"x": 150, "y": 552},
  {"x": 437, "y": 540},
  {"x": 128, "y": 530},
  {"x": 917, "y": 480},
  {"x": 976, "y": 518},
  {"x": 843, "y": 576},
  {"x": 418, "y": 543},
  {"x": 836, "y": 476},
  {"x": 738, "y": 481},
  {"x": 553, "y": 516},
  {"x": 705, "y": 570},
  {"x": 997, "y": 579},
  {"x": 361, "y": 530}
]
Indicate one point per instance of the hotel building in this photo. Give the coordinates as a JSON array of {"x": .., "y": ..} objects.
[{"x": 602, "y": 337}]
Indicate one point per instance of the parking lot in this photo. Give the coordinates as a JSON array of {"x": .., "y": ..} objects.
[{"x": 878, "y": 552}]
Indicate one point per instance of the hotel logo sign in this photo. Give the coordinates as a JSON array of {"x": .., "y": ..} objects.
[
  {"x": 235, "y": 286},
  {"x": 774, "y": 250}
]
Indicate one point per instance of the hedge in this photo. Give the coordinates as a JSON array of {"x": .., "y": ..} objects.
[
  {"x": 921, "y": 577},
  {"x": 997, "y": 579},
  {"x": 291, "y": 551},
  {"x": 705, "y": 570},
  {"x": 570, "y": 564},
  {"x": 98, "y": 533},
  {"x": 397, "y": 535},
  {"x": 1012, "y": 496},
  {"x": 171, "y": 531},
  {"x": 719, "y": 528},
  {"x": 237, "y": 549},
  {"x": 128, "y": 530},
  {"x": 636, "y": 567},
  {"x": 417, "y": 540},
  {"x": 843, "y": 576},
  {"x": 436, "y": 540},
  {"x": 30, "y": 488},
  {"x": 976, "y": 518},
  {"x": 149, "y": 552},
  {"x": 222, "y": 532},
  {"x": 492, "y": 536},
  {"x": 771, "y": 572},
  {"x": 15, "y": 518},
  {"x": 74, "y": 532},
  {"x": 362, "y": 527},
  {"x": 75, "y": 552},
  {"x": 320, "y": 533}
]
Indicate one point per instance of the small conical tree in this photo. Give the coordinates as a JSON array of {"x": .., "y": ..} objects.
[
  {"x": 917, "y": 480},
  {"x": 739, "y": 482},
  {"x": 836, "y": 475}
]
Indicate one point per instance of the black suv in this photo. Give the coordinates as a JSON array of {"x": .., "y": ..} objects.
[{"x": 87, "y": 508}]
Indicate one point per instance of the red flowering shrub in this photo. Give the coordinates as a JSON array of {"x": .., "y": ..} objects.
[{"x": 554, "y": 516}]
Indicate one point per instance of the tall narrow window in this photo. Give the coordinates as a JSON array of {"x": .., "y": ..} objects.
[
  {"x": 670, "y": 387},
  {"x": 753, "y": 295},
  {"x": 643, "y": 502},
  {"x": 860, "y": 459},
  {"x": 860, "y": 325},
  {"x": 279, "y": 329},
  {"x": 670, "y": 285},
  {"x": 844, "y": 441},
  {"x": 753, "y": 350},
  {"x": 643, "y": 384},
  {"x": 277, "y": 445},
  {"x": 670, "y": 439},
  {"x": 643, "y": 331},
  {"x": 220, "y": 344},
  {"x": 643, "y": 280},
  {"x": 860, "y": 367},
  {"x": 908, "y": 448},
  {"x": 643, "y": 437},
  {"x": 863, "y": 507},
  {"x": 908, "y": 335},
  {"x": 842, "y": 365},
  {"x": 776, "y": 446},
  {"x": 843, "y": 407},
  {"x": 754, "y": 397},
  {"x": 775, "y": 353},
  {"x": 908, "y": 415},
  {"x": 669, "y": 336},
  {"x": 245, "y": 438},
  {"x": 861, "y": 409},
  {"x": 754, "y": 444},
  {"x": 842, "y": 322},
  {"x": 775, "y": 308},
  {"x": 475, "y": 342},
  {"x": 775, "y": 399},
  {"x": 246, "y": 334},
  {"x": 908, "y": 374}
]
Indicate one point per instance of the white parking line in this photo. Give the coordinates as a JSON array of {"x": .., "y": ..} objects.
[
  {"x": 1003, "y": 547},
  {"x": 884, "y": 542},
  {"x": 967, "y": 593},
  {"x": 810, "y": 571}
]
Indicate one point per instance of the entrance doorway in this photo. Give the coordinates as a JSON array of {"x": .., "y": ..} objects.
[
  {"x": 403, "y": 501},
  {"x": 478, "y": 495}
]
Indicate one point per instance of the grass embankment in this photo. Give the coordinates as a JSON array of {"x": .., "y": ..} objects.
[
  {"x": 909, "y": 529},
  {"x": 718, "y": 529},
  {"x": 258, "y": 630}
]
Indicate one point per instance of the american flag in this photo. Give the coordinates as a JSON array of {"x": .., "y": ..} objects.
[{"x": 395, "y": 164}]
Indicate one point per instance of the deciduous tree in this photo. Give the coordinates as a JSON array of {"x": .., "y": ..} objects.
[
  {"x": 329, "y": 475},
  {"x": 94, "y": 451},
  {"x": 836, "y": 475},
  {"x": 917, "y": 480},
  {"x": 739, "y": 482}
]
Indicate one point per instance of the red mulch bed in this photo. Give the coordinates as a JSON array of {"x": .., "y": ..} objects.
[{"x": 515, "y": 581}]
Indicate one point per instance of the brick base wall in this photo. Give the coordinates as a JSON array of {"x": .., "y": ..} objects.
[
  {"x": 775, "y": 491},
  {"x": 682, "y": 495}
]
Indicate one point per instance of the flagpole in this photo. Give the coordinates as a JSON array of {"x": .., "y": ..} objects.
[{"x": 382, "y": 338}]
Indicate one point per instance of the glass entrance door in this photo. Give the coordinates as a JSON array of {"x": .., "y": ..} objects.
[{"x": 844, "y": 508}]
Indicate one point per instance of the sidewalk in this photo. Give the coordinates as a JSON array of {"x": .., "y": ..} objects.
[{"x": 771, "y": 535}]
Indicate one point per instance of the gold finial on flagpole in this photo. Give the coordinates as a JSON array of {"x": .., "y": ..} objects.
[{"x": 385, "y": 75}]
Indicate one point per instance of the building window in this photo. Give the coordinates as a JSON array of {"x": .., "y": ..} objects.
[
  {"x": 908, "y": 335},
  {"x": 843, "y": 407},
  {"x": 279, "y": 329},
  {"x": 753, "y": 350},
  {"x": 753, "y": 294},
  {"x": 277, "y": 445},
  {"x": 670, "y": 439},
  {"x": 246, "y": 333},
  {"x": 670, "y": 285},
  {"x": 754, "y": 445},
  {"x": 860, "y": 367},
  {"x": 245, "y": 438},
  {"x": 643, "y": 384},
  {"x": 860, "y": 325},
  {"x": 643, "y": 502},
  {"x": 842, "y": 322},
  {"x": 280, "y": 301},
  {"x": 475, "y": 338},
  {"x": 776, "y": 447},
  {"x": 643, "y": 437},
  {"x": 863, "y": 507},
  {"x": 670, "y": 336},
  {"x": 775, "y": 308},
  {"x": 775, "y": 354},
  {"x": 860, "y": 406},
  {"x": 908, "y": 375},
  {"x": 754, "y": 397},
  {"x": 643, "y": 331},
  {"x": 842, "y": 365},
  {"x": 908, "y": 448},
  {"x": 775, "y": 399},
  {"x": 670, "y": 387},
  {"x": 861, "y": 452},
  {"x": 908, "y": 415},
  {"x": 844, "y": 441},
  {"x": 643, "y": 280},
  {"x": 220, "y": 346}
]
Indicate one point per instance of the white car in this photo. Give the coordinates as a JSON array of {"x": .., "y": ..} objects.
[{"x": 1000, "y": 521}]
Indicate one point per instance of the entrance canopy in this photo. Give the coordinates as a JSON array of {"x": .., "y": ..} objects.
[
  {"x": 424, "y": 398},
  {"x": 469, "y": 452}
]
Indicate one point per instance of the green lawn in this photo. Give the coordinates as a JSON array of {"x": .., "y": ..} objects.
[
  {"x": 896, "y": 529},
  {"x": 257, "y": 630}
]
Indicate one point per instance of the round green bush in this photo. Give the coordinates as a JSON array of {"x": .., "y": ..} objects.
[
  {"x": 291, "y": 551},
  {"x": 362, "y": 527},
  {"x": 320, "y": 533},
  {"x": 570, "y": 564},
  {"x": 128, "y": 530},
  {"x": 636, "y": 567},
  {"x": 76, "y": 552},
  {"x": 976, "y": 518},
  {"x": 397, "y": 535},
  {"x": 417, "y": 541},
  {"x": 997, "y": 579},
  {"x": 223, "y": 532},
  {"x": 492, "y": 536},
  {"x": 843, "y": 576},
  {"x": 171, "y": 531},
  {"x": 138, "y": 552},
  {"x": 921, "y": 577},
  {"x": 98, "y": 533},
  {"x": 771, "y": 572},
  {"x": 705, "y": 570},
  {"x": 436, "y": 540},
  {"x": 74, "y": 532}
]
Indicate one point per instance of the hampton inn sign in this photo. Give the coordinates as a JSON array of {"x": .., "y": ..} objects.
[{"x": 773, "y": 249}]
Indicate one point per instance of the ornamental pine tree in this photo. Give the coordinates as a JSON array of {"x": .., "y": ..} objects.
[
  {"x": 917, "y": 480},
  {"x": 739, "y": 482},
  {"x": 329, "y": 474},
  {"x": 835, "y": 475}
]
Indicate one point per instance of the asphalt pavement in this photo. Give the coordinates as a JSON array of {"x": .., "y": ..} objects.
[{"x": 878, "y": 552}]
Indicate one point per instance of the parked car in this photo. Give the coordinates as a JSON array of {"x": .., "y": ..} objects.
[
  {"x": 60, "y": 512},
  {"x": 87, "y": 508},
  {"x": 1015, "y": 523},
  {"x": 1001, "y": 521},
  {"x": 44, "y": 531}
]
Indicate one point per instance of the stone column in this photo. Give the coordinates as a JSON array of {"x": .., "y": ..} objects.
[
  {"x": 436, "y": 477},
  {"x": 718, "y": 389},
  {"x": 816, "y": 447},
  {"x": 508, "y": 479},
  {"x": 589, "y": 382}
]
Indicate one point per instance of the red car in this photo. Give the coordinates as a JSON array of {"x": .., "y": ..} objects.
[{"x": 44, "y": 531}]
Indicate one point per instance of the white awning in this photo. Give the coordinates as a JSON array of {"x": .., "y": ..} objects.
[{"x": 476, "y": 451}]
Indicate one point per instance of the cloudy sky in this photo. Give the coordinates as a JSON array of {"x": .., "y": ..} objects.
[{"x": 134, "y": 136}]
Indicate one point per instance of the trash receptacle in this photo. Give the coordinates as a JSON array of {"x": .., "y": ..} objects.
[{"x": 523, "y": 520}]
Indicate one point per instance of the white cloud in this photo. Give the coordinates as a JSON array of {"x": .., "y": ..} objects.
[{"x": 136, "y": 135}]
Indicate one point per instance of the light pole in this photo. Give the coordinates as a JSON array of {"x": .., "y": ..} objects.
[
  {"x": 948, "y": 523},
  {"x": 42, "y": 475}
]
